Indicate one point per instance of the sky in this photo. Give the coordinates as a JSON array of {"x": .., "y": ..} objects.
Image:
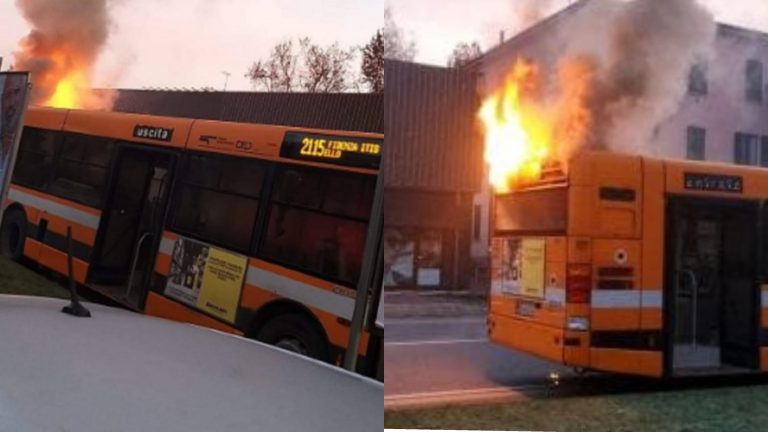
[
  {"x": 438, "y": 25},
  {"x": 189, "y": 43}
]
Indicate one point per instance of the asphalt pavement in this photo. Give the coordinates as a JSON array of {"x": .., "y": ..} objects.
[{"x": 449, "y": 360}]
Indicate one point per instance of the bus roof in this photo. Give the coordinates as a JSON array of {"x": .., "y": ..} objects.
[
  {"x": 242, "y": 139},
  {"x": 120, "y": 370}
]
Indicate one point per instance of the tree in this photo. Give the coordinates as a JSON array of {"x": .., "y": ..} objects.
[
  {"x": 464, "y": 53},
  {"x": 278, "y": 72},
  {"x": 396, "y": 47},
  {"x": 372, "y": 66},
  {"x": 326, "y": 70}
]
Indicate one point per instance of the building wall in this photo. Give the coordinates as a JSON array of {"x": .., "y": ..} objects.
[
  {"x": 724, "y": 110},
  {"x": 433, "y": 166}
]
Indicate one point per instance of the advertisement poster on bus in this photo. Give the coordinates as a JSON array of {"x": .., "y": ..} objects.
[
  {"x": 522, "y": 267},
  {"x": 14, "y": 89},
  {"x": 207, "y": 278}
]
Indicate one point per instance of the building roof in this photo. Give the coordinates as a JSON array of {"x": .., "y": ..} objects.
[
  {"x": 360, "y": 112},
  {"x": 511, "y": 45},
  {"x": 432, "y": 143}
]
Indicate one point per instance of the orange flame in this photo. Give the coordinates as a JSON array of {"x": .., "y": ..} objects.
[
  {"x": 68, "y": 93},
  {"x": 518, "y": 138},
  {"x": 524, "y": 131}
]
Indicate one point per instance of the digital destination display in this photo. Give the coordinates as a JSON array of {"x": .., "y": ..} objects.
[
  {"x": 339, "y": 150},
  {"x": 713, "y": 182}
]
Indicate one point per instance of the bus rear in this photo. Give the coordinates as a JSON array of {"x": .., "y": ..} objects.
[{"x": 566, "y": 267}]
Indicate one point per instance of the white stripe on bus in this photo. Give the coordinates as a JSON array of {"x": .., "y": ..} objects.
[
  {"x": 283, "y": 286},
  {"x": 556, "y": 295},
  {"x": 328, "y": 301},
  {"x": 609, "y": 299},
  {"x": 166, "y": 246},
  {"x": 54, "y": 208}
]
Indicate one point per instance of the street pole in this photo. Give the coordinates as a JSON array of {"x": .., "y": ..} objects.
[{"x": 370, "y": 256}]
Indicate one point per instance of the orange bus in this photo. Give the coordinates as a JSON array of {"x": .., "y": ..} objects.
[
  {"x": 251, "y": 229},
  {"x": 634, "y": 265}
]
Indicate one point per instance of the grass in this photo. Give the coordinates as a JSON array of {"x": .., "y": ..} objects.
[
  {"x": 723, "y": 409},
  {"x": 17, "y": 279}
]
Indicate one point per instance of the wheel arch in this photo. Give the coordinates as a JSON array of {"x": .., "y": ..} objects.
[{"x": 279, "y": 307}]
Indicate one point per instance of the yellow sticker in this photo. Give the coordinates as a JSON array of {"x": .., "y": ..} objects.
[
  {"x": 533, "y": 267},
  {"x": 222, "y": 282}
]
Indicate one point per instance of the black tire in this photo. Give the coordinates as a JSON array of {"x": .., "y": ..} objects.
[
  {"x": 295, "y": 333},
  {"x": 13, "y": 235}
]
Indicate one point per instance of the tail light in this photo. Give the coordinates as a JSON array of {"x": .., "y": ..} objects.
[{"x": 578, "y": 284}]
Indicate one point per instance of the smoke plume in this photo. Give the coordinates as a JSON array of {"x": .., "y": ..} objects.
[
  {"x": 66, "y": 39},
  {"x": 611, "y": 73}
]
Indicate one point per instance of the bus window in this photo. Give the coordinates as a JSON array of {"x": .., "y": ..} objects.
[
  {"x": 218, "y": 200},
  {"x": 318, "y": 222},
  {"x": 81, "y": 168},
  {"x": 35, "y": 158}
]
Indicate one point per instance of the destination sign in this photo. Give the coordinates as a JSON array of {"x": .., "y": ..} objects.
[
  {"x": 713, "y": 182},
  {"x": 153, "y": 132},
  {"x": 338, "y": 150}
]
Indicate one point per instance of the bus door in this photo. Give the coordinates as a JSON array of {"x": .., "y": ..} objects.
[
  {"x": 712, "y": 288},
  {"x": 131, "y": 223}
]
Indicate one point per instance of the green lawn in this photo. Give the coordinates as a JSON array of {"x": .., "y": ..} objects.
[
  {"x": 722, "y": 409},
  {"x": 17, "y": 279}
]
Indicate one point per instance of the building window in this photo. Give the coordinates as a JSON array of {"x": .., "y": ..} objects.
[
  {"x": 476, "y": 221},
  {"x": 764, "y": 151},
  {"x": 697, "y": 80},
  {"x": 745, "y": 149},
  {"x": 696, "y": 143},
  {"x": 754, "y": 76}
]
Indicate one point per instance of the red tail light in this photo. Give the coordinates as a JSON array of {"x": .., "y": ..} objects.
[{"x": 578, "y": 284}]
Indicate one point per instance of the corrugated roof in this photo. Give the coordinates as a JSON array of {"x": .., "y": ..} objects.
[
  {"x": 432, "y": 142},
  {"x": 361, "y": 112}
]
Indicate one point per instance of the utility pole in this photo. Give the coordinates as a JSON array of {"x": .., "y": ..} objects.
[{"x": 226, "y": 79}]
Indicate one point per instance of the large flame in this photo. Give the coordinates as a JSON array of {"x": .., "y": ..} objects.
[
  {"x": 69, "y": 92},
  {"x": 518, "y": 137},
  {"x": 524, "y": 130}
]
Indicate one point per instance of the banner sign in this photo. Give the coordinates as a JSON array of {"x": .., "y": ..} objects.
[
  {"x": 14, "y": 91},
  {"x": 207, "y": 278}
]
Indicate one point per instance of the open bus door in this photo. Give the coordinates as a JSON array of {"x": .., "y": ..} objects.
[
  {"x": 130, "y": 229},
  {"x": 713, "y": 290}
]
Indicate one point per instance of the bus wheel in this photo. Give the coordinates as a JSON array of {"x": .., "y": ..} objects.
[
  {"x": 13, "y": 233},
  {"x": 296, "y": 333}
]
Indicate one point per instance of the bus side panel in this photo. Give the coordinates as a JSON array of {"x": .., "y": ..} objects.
[
  {"x": 652, "y": 280},
  {"x": 647, "y": 363},
  {"x": 56, "y": 260},
  {"x": 616, "y": 299},
  {"x": 162, "y": 307},
  {"x": 527, "y": 336}
]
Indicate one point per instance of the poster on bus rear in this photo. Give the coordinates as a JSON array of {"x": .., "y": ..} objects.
[
  {"x": 14, "y": 91},
  {"x": 207, "y": 278}
]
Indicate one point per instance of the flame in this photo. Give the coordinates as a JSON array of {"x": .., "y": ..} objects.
[
  {"x": 525, "y": 130},
  {"x": 518, "y": 135},
  {"x": 68, "y": 93}
]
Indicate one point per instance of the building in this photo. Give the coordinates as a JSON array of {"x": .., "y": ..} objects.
[
  {"x": 433, "y": 170},
  {"x": 723, "y": 117}
]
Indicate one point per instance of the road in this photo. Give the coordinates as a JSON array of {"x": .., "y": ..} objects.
[{"x": 450, "y": 360}]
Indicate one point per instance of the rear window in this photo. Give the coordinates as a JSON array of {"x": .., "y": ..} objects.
[{"x": 543, "y": 210}]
